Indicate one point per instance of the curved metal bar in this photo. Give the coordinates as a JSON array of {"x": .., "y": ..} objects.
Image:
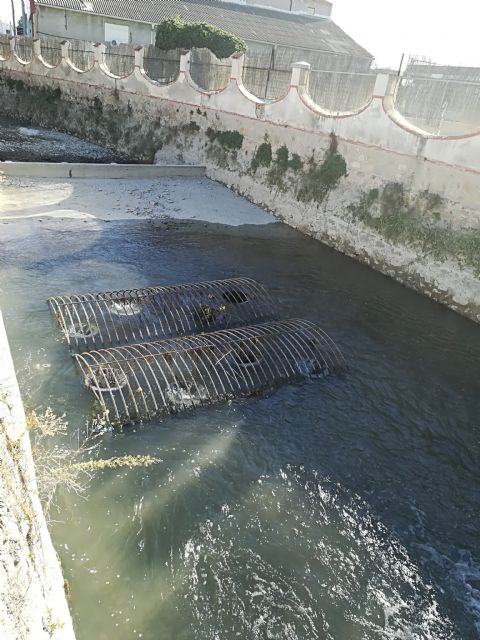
[
  {"x": 138, "y": 315},
  {"x": 136, "y": 382}
]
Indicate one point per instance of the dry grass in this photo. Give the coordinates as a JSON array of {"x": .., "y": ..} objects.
[{"x": 59, "y": 465}]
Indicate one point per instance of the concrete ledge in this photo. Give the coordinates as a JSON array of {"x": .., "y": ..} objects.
[
  {"x": 33, "y": 605},
  {"x": 91, "y": 170}
]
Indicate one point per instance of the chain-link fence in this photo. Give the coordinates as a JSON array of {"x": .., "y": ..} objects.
[
  {"x": 51, "y": 50},
  {"x": 24, "y": 48},
  {"x": 80, "y": 54},
  {"x": 161, "y": 66},
  {"x": 120, "y": 59},
  {"x": 440, "y": 99},
  {"x": 209, "y": 72}
]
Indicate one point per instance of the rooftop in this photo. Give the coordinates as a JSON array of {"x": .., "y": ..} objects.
[{"x": 253, "y": 23}]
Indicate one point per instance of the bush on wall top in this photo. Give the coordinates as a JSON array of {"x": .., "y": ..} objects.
[{"x": 174, "y": 33}]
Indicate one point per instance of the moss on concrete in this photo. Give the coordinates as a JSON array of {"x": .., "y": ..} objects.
[
  {"x": 413, "y": 220},
  {"x": 318, "y": 179}
]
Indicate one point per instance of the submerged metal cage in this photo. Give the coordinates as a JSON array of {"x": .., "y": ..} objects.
[
  {"x": 140, "y": 381},
  {"x": 91, "y": 321}
]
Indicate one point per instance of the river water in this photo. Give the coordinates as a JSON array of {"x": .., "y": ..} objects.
[{"x": 339, "y": 509}]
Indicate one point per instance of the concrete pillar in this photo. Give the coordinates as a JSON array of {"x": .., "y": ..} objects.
[
  {"x": 139, "y": 53},
  {"x": 237, "y": 66},
  {"x": 300, "y": 75},
  {"x": 11, "y": 42},
  {"x": 98, "y": 54},
  {"x": 64, "y": 47},
  {"x": 37, "y": 48},
  {"x": 382, "y": 84},
  {"x": 184, "y": 65}
]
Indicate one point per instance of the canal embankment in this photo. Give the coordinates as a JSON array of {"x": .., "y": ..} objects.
[
  {"x": 367, "y": 183},
  {"x": 33, "y": 601}
]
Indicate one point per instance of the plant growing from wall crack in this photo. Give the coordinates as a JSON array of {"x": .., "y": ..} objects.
[
  {"x": 319, "y": 179},
  {"x": 413, "y": 220}
]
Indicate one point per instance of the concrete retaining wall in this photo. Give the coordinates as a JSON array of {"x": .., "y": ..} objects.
[
  {"x": 407, "y": 202},
  {"x": 32, "y": 597}
]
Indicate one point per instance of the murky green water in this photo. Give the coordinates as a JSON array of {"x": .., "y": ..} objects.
[{"x": 340, "y": 509}]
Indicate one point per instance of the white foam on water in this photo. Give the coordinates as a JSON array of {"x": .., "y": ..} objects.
[
  {"x": 298, "y": 559},
  {"x": 26, "y": 131}
]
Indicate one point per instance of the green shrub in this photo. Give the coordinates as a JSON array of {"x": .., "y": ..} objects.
[
  {"x": 174, "y": 33},
  {"x": 295, "y": 163},
  {"x": 227, "y": 139},
  {"x": 262, "y": 157},
  {"x": 320, "y": 179},
  {"x": 191, "y": 127}
]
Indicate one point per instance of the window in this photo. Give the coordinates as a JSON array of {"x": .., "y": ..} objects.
[{"x": 118, "y": 33}]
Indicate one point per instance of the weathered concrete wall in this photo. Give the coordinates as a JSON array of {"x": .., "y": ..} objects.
[
  {"x": 32, "y": 597},
  {"x": 366, "y": 182},
  {"x": 71, "y": 24}
]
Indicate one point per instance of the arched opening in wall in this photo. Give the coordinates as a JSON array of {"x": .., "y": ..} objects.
[
  {"x": 438, "y": 99},
  {"x": 120, "y": 59},
  {"x": 51, "y": 51},
  {"x": 24, "y": 48},
  {"x": 4, "y": 46},
  {"x": 341, "y": 91},
  {"x": 80, "y": 54},
  {"x": 161, "y": 66},
  {"x": 209, "y": 72}
]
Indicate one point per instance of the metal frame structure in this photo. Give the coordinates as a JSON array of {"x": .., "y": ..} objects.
[
  {"x": 139, "y": 381},
  {"x": 91, "y": 321}
]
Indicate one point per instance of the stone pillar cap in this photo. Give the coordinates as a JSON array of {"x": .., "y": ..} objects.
[{"x": 301, "y": 65}]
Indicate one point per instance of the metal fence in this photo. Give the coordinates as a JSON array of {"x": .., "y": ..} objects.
[
  {"x": 267, "y": 73},
  {"x": 209, "y": 72},
  {"x": 120, "y": 59},
  {"x": 4, "y": 46},
  {"x": 161, "y": 66},
  {"x": 24, "y": 48},
  {"x": 341, "y": 90},
  {"x": 440, "y": 99},
  {"x": 80, "y": 54},
  {"x": 51, "y": 51}
]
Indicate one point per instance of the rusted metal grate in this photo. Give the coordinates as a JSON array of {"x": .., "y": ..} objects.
[
  {"x": 140, "y": 381},
  {"x": 92, "y": 321}
]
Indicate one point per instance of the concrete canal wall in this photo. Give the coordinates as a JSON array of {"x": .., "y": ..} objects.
[
  {"x": 366, "y": 182},
  {"x": 32, "y": 596}
]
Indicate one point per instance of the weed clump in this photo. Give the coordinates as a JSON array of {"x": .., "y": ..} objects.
[
  {"x": 262, "y": 156},
  {"x": 227, "y": 139},
  {"x": 320, "y": 179},
  {"x": 413, "y": 221}
]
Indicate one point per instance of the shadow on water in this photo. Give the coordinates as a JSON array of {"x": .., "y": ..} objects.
[{"x": 346, "y": 508}]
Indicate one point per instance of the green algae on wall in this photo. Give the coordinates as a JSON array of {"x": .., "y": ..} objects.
[{"x": 414, "y": 220}]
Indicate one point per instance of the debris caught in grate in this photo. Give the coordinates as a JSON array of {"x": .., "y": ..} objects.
[
  {"x": 92, "y": 321},
  {"x": 139, "y": 381}
]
